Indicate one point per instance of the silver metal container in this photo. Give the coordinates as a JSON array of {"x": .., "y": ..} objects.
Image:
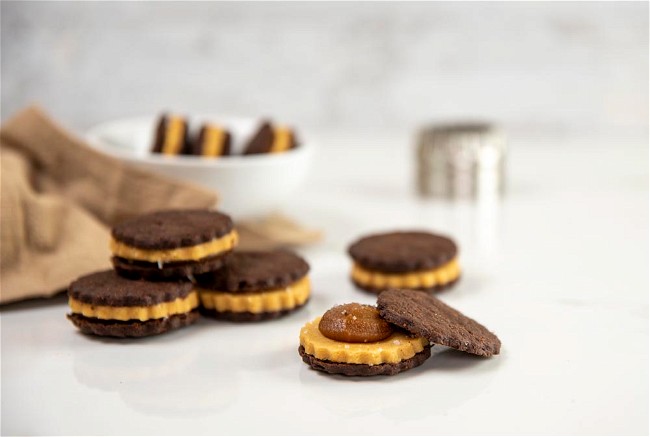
[{"x": 461, "y": 161}]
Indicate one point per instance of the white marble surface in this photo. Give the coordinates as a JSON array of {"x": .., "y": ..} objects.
[
  {"x": 533, "y": 66},
  {"x": 558, "y": 269}
]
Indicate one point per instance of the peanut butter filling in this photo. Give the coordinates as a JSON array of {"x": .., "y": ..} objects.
[
  {"x": 277, "y": 299},
  {"x": 281, "y": 140},
  {"x": 213, "y": 141},
  {"x": 421, "y": 279},
  {"x": 142, "y": 313},
  {"x": 397, "y": 347},
  {"x": 189, "y": 253},
  {"x": 174, "y": 135}
]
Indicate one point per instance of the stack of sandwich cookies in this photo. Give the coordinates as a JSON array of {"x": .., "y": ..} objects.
[
  {"x": 107, "y": 304},
  {"x": 362, "y": 340},
  {"x": 411, "y": 260},
  {"x": 255, "y": 286},
  {"x": 172, "y": 136},
  {"x": 213, "y": 141},
  {"x": 172, "y": 244},
  {"x": 271, "y": 139}
]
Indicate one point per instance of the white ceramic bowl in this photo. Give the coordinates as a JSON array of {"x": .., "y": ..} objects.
[{"x": 248, "y": 186}]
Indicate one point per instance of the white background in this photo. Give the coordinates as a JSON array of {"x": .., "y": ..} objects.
[
  {"x": 365, "y": 67},
  {"x": 558, "y": 269}
]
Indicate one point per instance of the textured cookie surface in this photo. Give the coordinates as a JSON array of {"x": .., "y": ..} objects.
[
  {"x": 132, "y": 328},
  {"x": 255, "y": 271},
  {"x": 364, "y": 369},
  {"x": 402, "y": 251},
  {"x": 172, "y": 229},
  {"x": 422, "y": 314},
  {"x": 167, "y": 271},
  {"x": 107, "y": 288}
]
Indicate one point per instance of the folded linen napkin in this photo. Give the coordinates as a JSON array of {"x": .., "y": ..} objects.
[{"x": 59, "y": 198}]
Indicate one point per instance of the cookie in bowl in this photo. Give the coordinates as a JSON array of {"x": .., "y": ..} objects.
[
  {"x": 106, "y": 304},
  {"x": 255, "y": 286},
  {"x": 271, "y": 138},
  {"x": 172, "y": 244},
  {"x": 212, "y": 141},
  {"x": 172, "y": 136},
  {"x": 414, "y": 260}
]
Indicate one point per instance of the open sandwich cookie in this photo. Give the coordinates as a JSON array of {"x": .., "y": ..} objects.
[
  {"x": 410, "y": 260},
  {"x": 395, "y": 336},
  {"x": 107, "y": 304},
  {"x": 255, "y": 286},
  {"x": 173, "y": 244}
]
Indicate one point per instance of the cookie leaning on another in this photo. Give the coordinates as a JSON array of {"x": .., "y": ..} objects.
[{"x": 395, "y": 336}]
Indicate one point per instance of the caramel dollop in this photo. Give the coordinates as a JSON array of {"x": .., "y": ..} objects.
[{"x": 354, "y": 323}]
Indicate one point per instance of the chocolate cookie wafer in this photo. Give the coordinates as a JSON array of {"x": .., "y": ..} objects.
[
  {"x": 271, "y": 139},
  {"x": 255, "y": 286},
  {"x": 429, "y": 317},
  {"x": 171, "y": 136},
  {"x": 172, "y": 244},
  {"x": 413, "y": 260},
  {"x": 107, "y": 304}
]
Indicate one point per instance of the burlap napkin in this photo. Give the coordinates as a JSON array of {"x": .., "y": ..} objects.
[{"x": 59, "y": 198}]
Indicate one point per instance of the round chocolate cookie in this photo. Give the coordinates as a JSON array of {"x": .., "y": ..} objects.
[
  {"x": 172, "y": 244},
  {"x": 255, "y": 271},
  {"x": 424, "y": 315},
  {"x": 107, "y": 288},
  {"x": 255, "y": 286},
  {"x": 172, "y": 229},
  {"x": 400, "y": 252},
  {"x": 348, "y": 369},
  {"x": 107, "y": 304}
]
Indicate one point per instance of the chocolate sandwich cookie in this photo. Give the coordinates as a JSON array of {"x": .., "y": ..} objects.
[
  {"x": 414, "y": 260},
  {"x": 271, "y": 139},
  {"x": 107, "y": 304},
  {"x": 213, "y": 141},
  {"x": 354, "y": 340},
  {"x": 427, "y": 316},
  {"x": 171, "y": 137},
  {"x": 172, "y": 244},
  {"x": 254, "y": 286}
]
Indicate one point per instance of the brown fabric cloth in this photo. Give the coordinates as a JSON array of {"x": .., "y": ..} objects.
[{"x": 58, "y": 199}]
